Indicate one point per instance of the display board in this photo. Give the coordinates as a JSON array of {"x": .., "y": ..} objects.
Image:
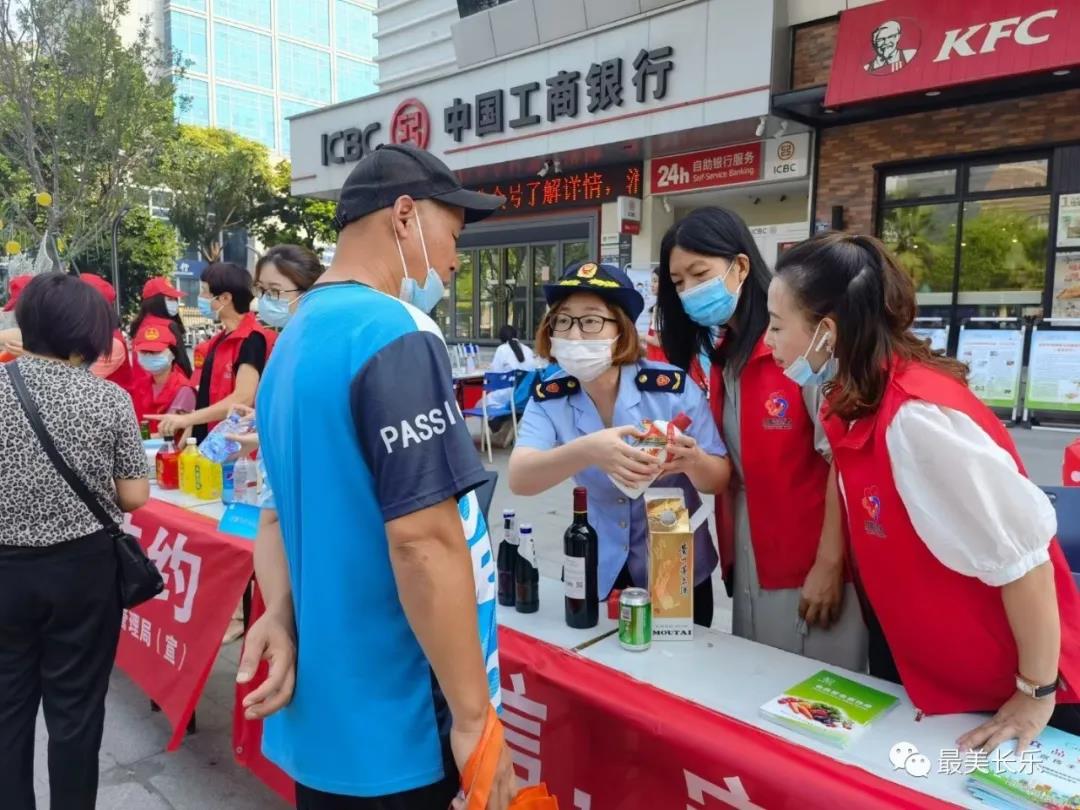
[
  {"x": 1053, "y": 382},
  {"x": 641, "y": 277},
  {"x": 1066, "y": 285},
  {"x": 935, "y": 330},
  {"x": 994, "y": 352}
]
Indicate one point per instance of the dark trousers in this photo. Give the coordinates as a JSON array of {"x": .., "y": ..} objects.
[
  {"x": 431, "y": 797},
  {"x": 59, "y": 626},
  {"x": 1066, "y": 716},
  {"x": 703, "y": 596}
]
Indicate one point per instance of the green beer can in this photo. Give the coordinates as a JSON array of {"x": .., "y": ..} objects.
[{"x": 635, "y": 619}]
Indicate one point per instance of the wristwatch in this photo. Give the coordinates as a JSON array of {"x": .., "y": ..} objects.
[{"x": 1032, "y": 689}]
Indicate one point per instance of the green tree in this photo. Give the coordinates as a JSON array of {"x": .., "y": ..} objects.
[
  {"x": 1003, "y": 250},
  {"x": 81, "y": 113},
  {"x": 146, "y": 248},
  {"x": 219, "y": 181},
  {"x": 924, "y": 244},
  {"x": 290, "y": 220}
]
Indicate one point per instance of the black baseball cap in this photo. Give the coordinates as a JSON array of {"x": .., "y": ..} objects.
[
  {"x": 604, "y": 280},
  {"x": 396, "y": 169}
]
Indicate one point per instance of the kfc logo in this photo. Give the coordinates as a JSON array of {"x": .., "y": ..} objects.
[{"x": 895, "y": 45}]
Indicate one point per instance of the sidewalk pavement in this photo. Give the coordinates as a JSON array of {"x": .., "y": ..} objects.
[{"x": 137, "y": 773}]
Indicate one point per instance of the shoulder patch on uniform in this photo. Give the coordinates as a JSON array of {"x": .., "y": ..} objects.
[
  {"x": 661, "y": 379},
  {"x": 555, "y": 389}
]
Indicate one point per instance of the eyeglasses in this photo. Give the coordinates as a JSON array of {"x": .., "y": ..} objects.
[
  {"x": 588, "y": 324},
  {"x": 273, "y": 295}
]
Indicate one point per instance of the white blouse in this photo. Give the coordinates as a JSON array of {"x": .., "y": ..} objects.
[{"x": 966, "y": 497}]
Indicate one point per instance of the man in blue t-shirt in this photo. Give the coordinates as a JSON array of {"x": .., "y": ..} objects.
[{"x": 375, "y": 564}]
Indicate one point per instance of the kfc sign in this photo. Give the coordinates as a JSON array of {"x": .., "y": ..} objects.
[{"x": 910, "y": 46}]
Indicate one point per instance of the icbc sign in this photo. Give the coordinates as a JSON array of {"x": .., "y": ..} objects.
[
  {"x": 907, "y": 46},
  {"x": 411, "y": 124}
]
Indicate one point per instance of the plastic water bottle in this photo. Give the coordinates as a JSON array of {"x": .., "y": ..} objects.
[
  {"x": 216, "y": 447},
  {"x": 246, "y": 481},
  {"x": 228, "y": 491},
  {"x": 470, "y": 359}
]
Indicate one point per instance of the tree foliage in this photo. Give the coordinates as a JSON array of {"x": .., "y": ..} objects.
[
  {"x": 286, "y": 219},
  {"x": 219, "y": 181},
  {"x": 81, "y": 114},
  {"x": 146, "y": 247}
]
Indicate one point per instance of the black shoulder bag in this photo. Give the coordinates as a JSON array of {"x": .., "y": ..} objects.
[{"x": 138, "y": 577}]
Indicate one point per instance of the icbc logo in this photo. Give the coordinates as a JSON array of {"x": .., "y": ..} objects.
[{"x": 411, "y": 124}]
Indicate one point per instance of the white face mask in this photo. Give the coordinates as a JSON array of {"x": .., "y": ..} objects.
[
  {"x": 584, "y": 359},
  {"x": 172, "y": 306}
]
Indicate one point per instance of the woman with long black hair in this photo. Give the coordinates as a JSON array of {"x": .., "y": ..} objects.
[
  {"x": 781, "y": 541},
  {"x": 160, "y": 299},
  {"x": 971, "y": 603}
]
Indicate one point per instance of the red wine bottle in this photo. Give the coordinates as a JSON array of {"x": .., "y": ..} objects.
[
  {"x": 581, "y": 558},
  {"x": 526, "y": 574},
  {"x": 507, "y": 559}
]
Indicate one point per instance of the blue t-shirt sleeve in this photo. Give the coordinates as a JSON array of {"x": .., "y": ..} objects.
[
  {"x": 703, "y": 428},
  {"x": 536, "y": 430},
  {"x": 411, "y": 432}
]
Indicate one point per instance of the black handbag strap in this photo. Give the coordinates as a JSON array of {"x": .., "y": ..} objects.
[{"x": 78, "y": 487}]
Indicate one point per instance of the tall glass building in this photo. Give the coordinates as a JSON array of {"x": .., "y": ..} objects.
[{"x": 250, "y": 64}]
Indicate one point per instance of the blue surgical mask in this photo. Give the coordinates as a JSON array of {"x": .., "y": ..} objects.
[
  {"x": 427, "y": 297},
  {"x": 206, "y": 310},
  {"x": 712, "y": 303},
  {"x": 274, "y": 312},
  {"x": 172, "y": 306},
  {"x": 155, "y": 363},
  {"x": 802, "y": 373}
]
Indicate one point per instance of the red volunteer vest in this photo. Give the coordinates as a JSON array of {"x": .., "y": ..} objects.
[
  {"x": 222, "y": 380},
  {"x": 948, "y": 633},
  {"x": 784, "y": 476},
  {"x": 124, "y": 376},
  {"x": 142, "y": 391}
]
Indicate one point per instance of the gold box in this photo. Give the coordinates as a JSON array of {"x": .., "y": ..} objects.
[{"x": 671, "y": 564}]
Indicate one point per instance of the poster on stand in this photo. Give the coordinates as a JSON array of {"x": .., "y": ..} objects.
[
  {"x": 937, "y": 335},
  {"x": 1054, "y": 371},
  {"x": 1068, "y": 230},
  {"x": 641, "y": 278},
  {"x": 1066, "y": 286},
  {"x": 994, "y": 357}
]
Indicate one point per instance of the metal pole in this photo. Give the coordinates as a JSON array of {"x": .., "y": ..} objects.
[{"x": 115, "y": 256}]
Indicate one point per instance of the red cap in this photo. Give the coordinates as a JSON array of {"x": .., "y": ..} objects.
[
  {"x": 15, "y": 288},
  {"x": 682, "y": 421},
  {"x": 154, "y": 335},
  {"x": 160, "y": 286},
  {"x": 101, "y": 285}
]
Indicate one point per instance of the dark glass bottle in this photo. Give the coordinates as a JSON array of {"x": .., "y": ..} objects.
[
  {"x": 507, "y": 559},
  {"x": 526, "y": 575},
  {"x": 580, "y": 561}
]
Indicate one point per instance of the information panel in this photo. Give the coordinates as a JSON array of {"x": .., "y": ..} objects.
[
  {"x": 1054, "y": 371},
  {"x": 937, "y": 335},
  {"x": 995, "y": 357}
]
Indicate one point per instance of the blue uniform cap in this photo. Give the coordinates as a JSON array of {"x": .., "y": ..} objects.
[{"x": 604, "y": 280}]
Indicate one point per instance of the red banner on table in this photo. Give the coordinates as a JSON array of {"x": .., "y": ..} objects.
[
  {"x": 600, "y": 739},
  {"x": 168, "y": 644},
  {"x": 723, "y": 166},
  {"x": 908, "y": 46}
]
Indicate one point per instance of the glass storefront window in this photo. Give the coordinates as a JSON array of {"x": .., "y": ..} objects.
[
  {"x": 1007, "y": 176},
  {"x": 489, "y": 265},
  {"x": 464, "y": 283},
  {"x": 937, "y": 183},
  {"x": 516, "y": 287},
  {"x": 1004, "y": 245},
  {"x": 923, "y": 237},
  {"x": 544, "y": 270},
  {"x": 573, "y": 252}
]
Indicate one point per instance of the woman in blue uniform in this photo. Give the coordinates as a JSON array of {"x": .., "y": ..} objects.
[{"x": 578, "y": 420}]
